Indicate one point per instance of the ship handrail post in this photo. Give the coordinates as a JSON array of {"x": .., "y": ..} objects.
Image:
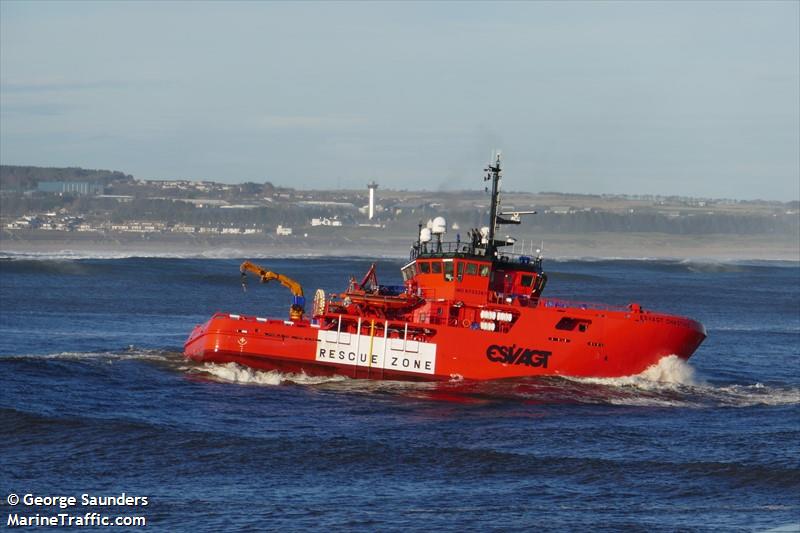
[
  {"x": 371, "y": 344},
  {"x": 358, "y": 347},
  {"x": 385, "y": 344}
]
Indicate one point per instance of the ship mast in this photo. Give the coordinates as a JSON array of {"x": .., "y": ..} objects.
[
  {"x": 497, "y": 218},
  {"x": 493, "y": 174}
]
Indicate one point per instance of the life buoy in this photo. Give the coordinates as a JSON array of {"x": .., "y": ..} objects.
[{"x": 466, "y": 323}]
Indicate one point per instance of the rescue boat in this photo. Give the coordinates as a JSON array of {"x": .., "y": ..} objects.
[{"x": 466, "y": 310}]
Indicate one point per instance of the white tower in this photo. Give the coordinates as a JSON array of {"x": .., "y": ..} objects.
[{"x": 372, "y": 186}]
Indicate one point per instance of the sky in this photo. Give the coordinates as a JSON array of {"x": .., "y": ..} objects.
[{"x": 674, "y": 98}]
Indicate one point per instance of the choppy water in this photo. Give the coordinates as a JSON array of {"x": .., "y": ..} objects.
[{"x": 96, "y": 398}]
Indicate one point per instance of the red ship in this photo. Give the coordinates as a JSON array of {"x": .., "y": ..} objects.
[{"x": 466, "y": 310}]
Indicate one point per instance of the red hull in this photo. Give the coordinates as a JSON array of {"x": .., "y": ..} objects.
[{"x": 615, "y": 343}]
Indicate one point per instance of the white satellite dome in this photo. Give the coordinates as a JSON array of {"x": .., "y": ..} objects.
[
  {"x": 425, "y": 235},
  {"x": 439, "y": 226}
]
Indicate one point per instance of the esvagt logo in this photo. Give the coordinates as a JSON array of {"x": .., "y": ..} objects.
[{"x": 511, "y": 355}]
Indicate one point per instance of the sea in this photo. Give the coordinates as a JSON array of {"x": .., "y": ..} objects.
[{"x": 97, "y": 403}]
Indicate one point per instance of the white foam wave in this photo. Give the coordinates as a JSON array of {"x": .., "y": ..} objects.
[
  {"x": 752, "y": 395},
  {"x": 673, "y": 382},
  {"x": 233, "y": 373},
  {"x": 669, "y": 372},
  {"x": 670, "y": 383}
]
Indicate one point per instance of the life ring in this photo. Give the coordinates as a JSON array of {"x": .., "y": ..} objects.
[{"x": 466, "y": 322}]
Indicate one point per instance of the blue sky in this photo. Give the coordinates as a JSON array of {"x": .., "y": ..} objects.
[{"x": 689, "y": 98}]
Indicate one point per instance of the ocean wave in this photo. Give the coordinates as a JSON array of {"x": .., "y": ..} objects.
[
  {"x": 233, "y": 373},
  {"x": 670, "y": 372},
  {"x": 66, "y": 255},
  {"x": 215, "y": 253},
  {"x": 130, "y": 353},
  {"x": 708, "y": 265},
  {"x": 760, "y": 328},
  {"x": 670, "y": 383},
  {"x": 673, "y": 382}
]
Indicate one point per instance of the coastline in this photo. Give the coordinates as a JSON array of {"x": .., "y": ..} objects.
[{"x": 383, "y": 245}]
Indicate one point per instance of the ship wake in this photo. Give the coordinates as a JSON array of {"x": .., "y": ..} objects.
[
  {"x": 238, "y": 374},
  {"x": 673, "y": 382},
  {"x": 233, "y": 373}
]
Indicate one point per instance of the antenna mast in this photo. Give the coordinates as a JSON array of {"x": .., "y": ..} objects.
[{"x": 493, "y": 174}]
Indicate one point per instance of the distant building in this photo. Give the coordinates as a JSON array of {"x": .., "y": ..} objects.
[
  {"x": 280, "y": 230},
  {"x": 77, "y": 187},
  {"x": 325, "y": 222},
  {"x": 118, "y": 197}
]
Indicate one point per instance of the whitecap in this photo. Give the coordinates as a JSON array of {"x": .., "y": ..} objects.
[
  {"x": 234, "y": 373},
  {"x": 673, "y": 382}
]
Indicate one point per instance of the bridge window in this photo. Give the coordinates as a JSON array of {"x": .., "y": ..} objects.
[
  {"x": 460, "y": 270},
  {"x": 485, "y": 271},
  {"x": 448, "y": 271},
  {"x": 527, "y": 280},
  {"x": 472, "y": 269},
  {"x": 436, "y": 267},
  {"x": 424, "y": 267},
  {"x": 408, "y": 272}
]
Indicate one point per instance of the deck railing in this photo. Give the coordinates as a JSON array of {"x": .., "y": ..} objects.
[
  {"x": 594, "y": 306},
  {"x": 445, "y": 248}
]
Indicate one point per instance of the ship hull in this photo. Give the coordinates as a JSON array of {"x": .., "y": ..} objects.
[{"x": 599, "y": 344}]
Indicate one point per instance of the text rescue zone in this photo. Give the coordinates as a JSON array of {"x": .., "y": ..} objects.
[{"x": 423, "y": 361}]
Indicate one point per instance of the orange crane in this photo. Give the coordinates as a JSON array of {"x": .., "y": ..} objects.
[{"x": 297, "y": 309}]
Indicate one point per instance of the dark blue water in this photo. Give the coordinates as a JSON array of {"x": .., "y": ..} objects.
[{"x": 95, "y": 398}]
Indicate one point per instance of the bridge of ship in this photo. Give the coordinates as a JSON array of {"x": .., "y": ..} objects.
[{"x": 462, "y": 272}]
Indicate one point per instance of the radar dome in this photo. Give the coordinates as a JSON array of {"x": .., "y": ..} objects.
[
  {"x": 425, "y": 235},
  {"x": 439, "y": 226}
]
